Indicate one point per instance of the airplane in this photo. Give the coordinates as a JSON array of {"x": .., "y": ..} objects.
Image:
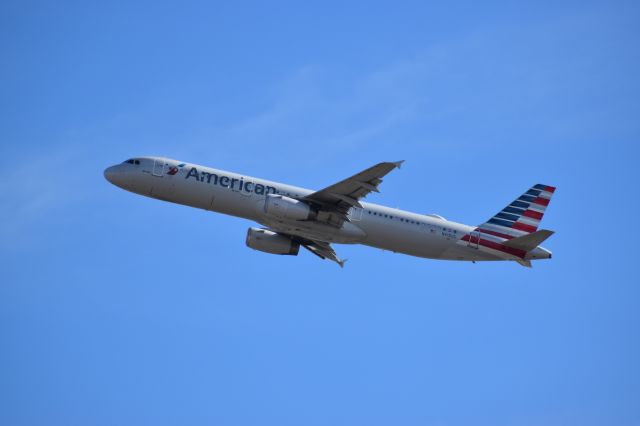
[{"x": 291, "y": 217}]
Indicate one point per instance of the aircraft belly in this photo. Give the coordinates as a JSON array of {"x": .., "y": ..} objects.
[
  {"x": 313, "y": 230},
  {"x": 407, "y": 241},
  {"x": 210, "y": 198},
  {"x": 192, "y": 196},
  {"x": 459, "y": 252}
]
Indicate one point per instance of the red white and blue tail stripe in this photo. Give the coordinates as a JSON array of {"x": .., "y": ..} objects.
[
  {"x": 522, "y": 216},
  {"x": 519, "y": 218}
]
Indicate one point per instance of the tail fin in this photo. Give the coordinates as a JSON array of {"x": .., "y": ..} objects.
[{"x": 522, "y": 216}]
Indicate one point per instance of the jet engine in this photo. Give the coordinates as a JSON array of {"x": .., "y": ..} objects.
[
  {"x": 271, "y": 242},
  {"x": 287, "y": 208}
]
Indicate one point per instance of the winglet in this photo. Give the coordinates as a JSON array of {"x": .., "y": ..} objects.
[
  {"x": 342, "y": 262},
  {"x": 398, "y": 164}
]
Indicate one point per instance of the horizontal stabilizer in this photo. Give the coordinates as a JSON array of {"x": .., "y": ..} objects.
[{"x": 530, "y": 241}]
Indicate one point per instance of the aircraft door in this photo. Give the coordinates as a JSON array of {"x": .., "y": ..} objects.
[{"x": 158, "y": 167}]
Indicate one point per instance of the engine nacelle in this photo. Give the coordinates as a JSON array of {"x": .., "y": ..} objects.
[
  {"x": 270, "y": 242},
  {"x": 287, "y": 208}
]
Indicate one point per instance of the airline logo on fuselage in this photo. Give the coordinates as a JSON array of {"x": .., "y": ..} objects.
[
  {"x": 228, "y": 182},
  {"x": 174, "y": 170}
]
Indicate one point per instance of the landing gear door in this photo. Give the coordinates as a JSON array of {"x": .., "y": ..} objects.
[{"x": 158, "y": 167}]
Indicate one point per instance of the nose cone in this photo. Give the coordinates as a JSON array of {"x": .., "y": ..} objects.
[
  {"x": 111, "y": 174},
  {"x": 116, "y": 175}
]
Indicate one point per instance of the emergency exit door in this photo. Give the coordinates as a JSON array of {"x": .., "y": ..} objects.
[{"x": 158, "y": 168}]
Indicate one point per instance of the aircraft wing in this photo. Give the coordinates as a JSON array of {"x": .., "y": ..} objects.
[
  {"x": 342, "y": 196},
  {"x": 322, "y": 250}
]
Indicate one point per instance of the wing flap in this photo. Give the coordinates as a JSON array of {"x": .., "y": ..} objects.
[{"x": 323, "y": 250}]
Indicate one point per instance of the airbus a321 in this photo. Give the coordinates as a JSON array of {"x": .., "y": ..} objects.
[{"x": 293, "y": 217}]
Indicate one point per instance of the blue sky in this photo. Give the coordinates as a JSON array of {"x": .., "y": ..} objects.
[{"x": 116, "y": 309}]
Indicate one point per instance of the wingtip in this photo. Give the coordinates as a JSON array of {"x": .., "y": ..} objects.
[
  {"x": 398, "y": 164},
  {"x": 342, "y": 262}
]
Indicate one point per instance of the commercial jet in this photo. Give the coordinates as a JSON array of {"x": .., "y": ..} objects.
[{"x": 293, "y": 217}]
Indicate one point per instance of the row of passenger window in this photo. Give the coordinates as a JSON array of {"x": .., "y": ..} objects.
[{"x": 388, "y": 216}]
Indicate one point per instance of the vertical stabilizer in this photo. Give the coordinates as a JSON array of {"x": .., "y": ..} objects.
[
  {"x": 517, "y": 222},
  {"x": 522, "y": 216}
]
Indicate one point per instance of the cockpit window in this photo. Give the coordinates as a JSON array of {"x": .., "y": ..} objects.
[{"x": 133, "y": 161}]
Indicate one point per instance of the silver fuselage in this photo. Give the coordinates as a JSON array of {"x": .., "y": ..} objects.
[{"x": 244, "y": 196}]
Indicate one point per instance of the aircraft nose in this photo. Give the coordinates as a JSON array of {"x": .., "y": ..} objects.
[
  {"x": 113, "y": 175},
  {"x": 109, "y": 174}
]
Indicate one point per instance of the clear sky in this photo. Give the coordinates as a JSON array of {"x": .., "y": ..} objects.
[{"x": 117, "y": 309}]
